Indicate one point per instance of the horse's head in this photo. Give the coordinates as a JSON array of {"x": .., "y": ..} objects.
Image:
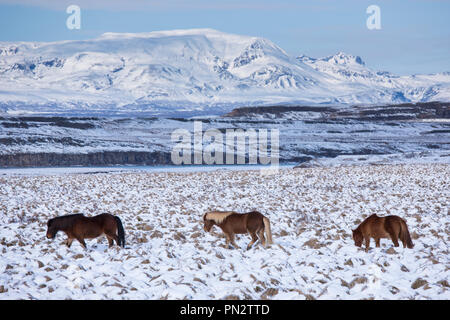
[
  {"x": 357, "y": 237},
  {"x": 51, "y": 229},
  {"x": 207, "y": 223}
]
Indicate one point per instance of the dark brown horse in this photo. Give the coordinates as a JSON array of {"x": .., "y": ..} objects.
[
  {"x": 77, "y": 226},
  {"x": 232, "y": 223},
  {"x": 376, "y": 227}
]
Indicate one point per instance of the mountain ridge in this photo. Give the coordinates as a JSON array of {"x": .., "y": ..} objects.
[{"x": 195, "y": 70}]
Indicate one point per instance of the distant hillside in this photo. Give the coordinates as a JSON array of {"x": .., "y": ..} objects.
[{"x": 405, "y": 111}]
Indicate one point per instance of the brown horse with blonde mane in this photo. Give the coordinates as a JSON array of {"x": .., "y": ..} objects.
[
  {"x": 233, "y": 223},
  {"x": 376, "y": 227},
  {"x": 77, "y": 226}
]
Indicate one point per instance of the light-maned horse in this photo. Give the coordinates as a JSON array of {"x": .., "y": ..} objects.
[
  {"x": 233, "y": 223},
  {"x": 391, "y": 227},
  {"x": 80, "y": 227}
]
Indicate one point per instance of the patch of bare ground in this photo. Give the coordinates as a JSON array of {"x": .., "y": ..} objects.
[
  {"x": 313, "y": 243},
  {"x": 419, "y": 282}
]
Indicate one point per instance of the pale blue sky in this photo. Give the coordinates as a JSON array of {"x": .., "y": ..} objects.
[{"x": 414, "y": 35}]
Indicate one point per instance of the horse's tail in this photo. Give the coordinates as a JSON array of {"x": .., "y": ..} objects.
[
  {"x": 267, "y": 230},
  {"x": 120, "y": 232},
  {"x": 404, "y": 234}
]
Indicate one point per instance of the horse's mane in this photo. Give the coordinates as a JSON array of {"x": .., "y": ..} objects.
[
  {"x": 217, "y": 216},
  {"x": 63, "y": 221}
]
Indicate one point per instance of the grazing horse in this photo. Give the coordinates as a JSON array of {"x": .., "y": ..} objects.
[
  {"x": 232, "y": 223},
  {"x": 77, "y": 226},
  {"x": 376, "y": 227}
]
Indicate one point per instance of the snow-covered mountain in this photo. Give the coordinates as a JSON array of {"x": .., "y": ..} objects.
[
  {"x": 380, "y": 86},
  {"x": 199, "y": 70}
]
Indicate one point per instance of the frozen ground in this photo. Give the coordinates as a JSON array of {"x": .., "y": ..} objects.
[
  {"x": 298, "y": 139},
  {"x": 169, "y": 256}
]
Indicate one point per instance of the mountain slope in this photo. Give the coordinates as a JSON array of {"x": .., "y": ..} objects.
[
  {"x": 353, "y": 71},
  {"x": 199, "y": 70}
]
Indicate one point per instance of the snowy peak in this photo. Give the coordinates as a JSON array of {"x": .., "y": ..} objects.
[
  {"x": 339, "y": 58},
  {"x": 206, "y": 32},
  {"x": 344, "y": 59}
]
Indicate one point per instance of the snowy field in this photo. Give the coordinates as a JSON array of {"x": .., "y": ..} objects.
[{"x": 168, "y": 255}]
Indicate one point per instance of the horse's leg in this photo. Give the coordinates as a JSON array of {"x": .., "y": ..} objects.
[
  {"x": 116, "y": 238},
  {"x": 69, "y": 242},
  {"x": 81, "y": 241},
  {"x": 110, "y": 232},
  {"x": 377, "y": 242},
  {"x": 232, "y": 241},
  {"x": 394, "y": 238},
  {"x": 403, "y": 241},
  {"x": 227, "y": 244},
  {"x": 367, "y": 243},
  {"x": 110, "y": 241},
  {"x": 112, "y": 236},
  {"x": 70, "y": 237},
  {"x": 254, "y": 239}
]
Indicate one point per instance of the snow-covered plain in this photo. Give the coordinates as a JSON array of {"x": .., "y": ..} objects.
[{"x": 168, "y": 255}]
